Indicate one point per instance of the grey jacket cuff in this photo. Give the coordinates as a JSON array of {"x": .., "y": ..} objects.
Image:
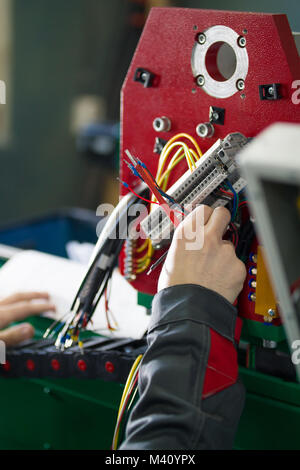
[{"x": 194, "y": 303}]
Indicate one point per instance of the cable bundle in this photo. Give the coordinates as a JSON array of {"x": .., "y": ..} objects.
[
  {"x": 183, "y": 151},
  {"x": 130, "y": 390}
]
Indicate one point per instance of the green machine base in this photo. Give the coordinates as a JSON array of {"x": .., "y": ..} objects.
[{"x": 81, "y": 414}]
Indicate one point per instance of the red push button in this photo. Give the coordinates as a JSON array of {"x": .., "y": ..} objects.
[
  {"x": 30, "y": 364},
  {"x": 81, "y": 364},
  {"x": 55, "y": 364},
  {"x": 109, "y": 367},
  {"x": 7, "y": 366}
]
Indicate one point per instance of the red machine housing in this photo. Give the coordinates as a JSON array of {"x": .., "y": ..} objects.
[{"x": 165, "y": 49}]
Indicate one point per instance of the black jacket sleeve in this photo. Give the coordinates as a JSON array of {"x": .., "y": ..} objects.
[{"x": 170, "y": 412}]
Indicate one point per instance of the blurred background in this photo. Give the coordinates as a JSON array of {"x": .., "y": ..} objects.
[{"x": 64, "y": 62}]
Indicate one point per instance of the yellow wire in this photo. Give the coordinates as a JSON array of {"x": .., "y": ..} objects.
[
  {"x": 128, "y": 381},
  {"x": 147, "y": 260},
  {"x": 142, "y": 247},
  {"x": 165, "y": 153},
  {"x": 187, "y": 136},
  {"x": 173, "y": 139},
  {"x": 195, "y": 155},
  {"x": 163, "y": 181}
]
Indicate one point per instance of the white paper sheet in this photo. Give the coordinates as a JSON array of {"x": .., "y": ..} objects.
[{"x": 35, "y": 271}]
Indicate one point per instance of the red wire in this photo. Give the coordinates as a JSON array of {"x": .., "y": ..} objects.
[
  {"x": 146, "y": 200},
  {"x": 163, "y": 204},
  {"x": 106, "y": 309},
  {"x": 236, "y": 235}
]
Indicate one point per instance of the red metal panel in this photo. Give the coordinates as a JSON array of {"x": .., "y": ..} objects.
[{"x": 165, "y": 49}]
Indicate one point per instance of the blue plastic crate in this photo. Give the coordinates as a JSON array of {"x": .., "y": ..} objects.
[{"x": 50, "y": 233}]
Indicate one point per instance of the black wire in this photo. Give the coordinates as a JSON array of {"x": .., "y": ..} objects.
[
  {"x": 106, "y": 280},
  {"x": 246, "y": 237}
]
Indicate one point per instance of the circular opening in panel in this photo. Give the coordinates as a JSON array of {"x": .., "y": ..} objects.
[{"x": 220, "y": 61}]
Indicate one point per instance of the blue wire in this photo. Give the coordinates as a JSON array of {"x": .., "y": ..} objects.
[{"x": 134, "y": 171}]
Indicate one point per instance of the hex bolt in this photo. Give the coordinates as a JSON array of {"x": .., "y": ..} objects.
[
  {"x": 162, "y": 124},
  {"x": 240, "y": 84},
  {"x": 205, "y": 129},
  {"x": 201, "y": 38},
  {"x": 200, "y": 80},
  {"x": 241, "y": 41}
]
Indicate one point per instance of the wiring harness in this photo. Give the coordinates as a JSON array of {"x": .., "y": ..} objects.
[{"x": 95, "y": 282}]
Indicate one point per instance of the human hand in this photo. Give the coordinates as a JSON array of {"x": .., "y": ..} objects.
[
  {"x": 214, "y": 264},
  {"x": 19, "y": 306}
]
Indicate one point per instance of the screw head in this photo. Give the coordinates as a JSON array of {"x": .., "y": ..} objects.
[
  {"x": 200, "y": 80},
  {"x": 241, "y": 41},
  {"x": 215, "y": 116},
  {"x": 162, "y": 124},
  {"x": 205, "y": 129},
  {"x": 271, "y": 90},
  {"x": 240, "y": 84},
  {"x": 201, "y": 38},
  {"x": 271, "y": 312}
]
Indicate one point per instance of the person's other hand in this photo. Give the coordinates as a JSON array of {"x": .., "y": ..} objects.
[
  {"x": 213, "y": 264},
  {"x": 18, "y": 306}
]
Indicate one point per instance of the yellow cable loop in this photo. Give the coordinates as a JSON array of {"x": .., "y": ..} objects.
[
  {"x": 165, "y": 176},
  {"x": 147, "y": 260},
  {"x": 187, "y": 136},
  {"x": 142, "y": 247},
  {"x": 165, "y": 154},
  {"x": 177, "y": 136}
]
